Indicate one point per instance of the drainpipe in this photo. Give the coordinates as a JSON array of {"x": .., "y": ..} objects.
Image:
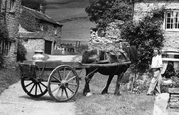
[{"x": 133, "y": 1}]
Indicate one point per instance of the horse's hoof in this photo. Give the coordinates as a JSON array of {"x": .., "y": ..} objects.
[
  {"x": 117, "y": 94},
  {"x": 89, "y": 94},
  {"x": 104, "y": 92}
]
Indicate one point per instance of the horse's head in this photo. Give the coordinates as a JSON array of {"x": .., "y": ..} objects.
[
  {"x": 131, "y": 53},
  {"x": 90, "y": 56}
]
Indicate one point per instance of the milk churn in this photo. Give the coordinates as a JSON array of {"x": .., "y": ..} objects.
[{"x": 38, "y": 56}]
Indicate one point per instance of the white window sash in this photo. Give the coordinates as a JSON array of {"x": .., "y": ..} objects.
[{"x": 173, "y": 24}]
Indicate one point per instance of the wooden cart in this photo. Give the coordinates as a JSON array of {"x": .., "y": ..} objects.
[{"x": 62, "y": 83}]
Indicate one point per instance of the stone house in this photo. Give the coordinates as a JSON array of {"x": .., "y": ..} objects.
[
  {"x": 38, "y": 31},
  {"x": 170, "y": 22},
  {"x": 10, "y": 14}
]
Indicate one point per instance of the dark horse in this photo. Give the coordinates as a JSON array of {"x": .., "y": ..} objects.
[{"x": 93, "y": 56}]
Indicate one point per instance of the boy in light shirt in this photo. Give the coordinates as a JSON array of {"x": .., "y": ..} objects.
[{"x": 156, "y": 68}]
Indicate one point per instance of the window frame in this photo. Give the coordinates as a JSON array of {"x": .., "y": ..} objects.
[
  {"x": 5, "y": 47},
  {"x": 12, "y": 5},
  {"x": 173, "y": 12}
]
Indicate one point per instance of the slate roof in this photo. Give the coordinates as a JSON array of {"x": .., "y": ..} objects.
[{"x": 40, "y": 16}]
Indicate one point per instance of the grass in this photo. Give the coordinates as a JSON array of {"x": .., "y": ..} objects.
[
  {"x": 8, "y": 76},
  {"x": 126, "y": 104}
]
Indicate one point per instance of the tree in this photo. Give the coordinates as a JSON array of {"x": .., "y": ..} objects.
[
  {"x": 103, "y": 12},
  {"x": 21, "y": 52}
]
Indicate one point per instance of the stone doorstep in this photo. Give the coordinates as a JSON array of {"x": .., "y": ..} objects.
[
  {"x": 173, "y": 90},
  {"x": 174, "y": 98},
  {"x": 173, "y": 111}
]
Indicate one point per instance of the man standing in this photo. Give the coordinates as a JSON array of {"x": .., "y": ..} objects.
[{"x": 156, "y": 69}]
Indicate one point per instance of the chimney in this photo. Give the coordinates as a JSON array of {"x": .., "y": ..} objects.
[{"x": 42, "y": 9}]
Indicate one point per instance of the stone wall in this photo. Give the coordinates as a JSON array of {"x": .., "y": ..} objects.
[
  {"x": 42, "y": 26},
  {"x": 141, "y": 9},
  {"x": 11, "y": 19},
  {"x": 31, "y": 45},
  {"x": 107, "y": 39}
]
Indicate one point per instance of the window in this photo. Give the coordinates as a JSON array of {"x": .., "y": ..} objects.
[
  {"x": 5, "y": 47},
  {"x": 12, "y": 6},
  {"x": 41, "y": 27},
  {"x": 56, "y": 31},
  {"x": 172, "y": 20},
  {"x": 3, "y": 5},
  {"x": 45, "y": 27}
]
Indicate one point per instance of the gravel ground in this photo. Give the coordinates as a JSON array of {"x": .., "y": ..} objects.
[{"x": 14, "y": 101}]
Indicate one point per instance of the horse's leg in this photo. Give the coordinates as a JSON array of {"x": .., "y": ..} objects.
[
  {"x": 117, "y": 90},
  {"x": 89, "y": 74},
  {"x": 105, "y": 90}
]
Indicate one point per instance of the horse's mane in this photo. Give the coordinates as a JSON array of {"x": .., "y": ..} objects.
[{"x": 131, "y": 53}]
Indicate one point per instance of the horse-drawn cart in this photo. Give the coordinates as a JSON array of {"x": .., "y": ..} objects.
[{"x": 62, "y": 82}]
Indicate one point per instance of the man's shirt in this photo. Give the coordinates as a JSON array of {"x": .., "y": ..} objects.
[{"x": 157, "y": 62}]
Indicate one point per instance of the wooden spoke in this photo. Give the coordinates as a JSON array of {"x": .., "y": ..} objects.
[
  {"x": 71, "y": 79},
  {"x": 62, "y": 92},
  {"x": 43, "y": 85},
  {"x": 64, "y": 72},
  {"x": 32, "y": 88},
  {"x": 56, "y": 78},
  {"x": 56, "y": 89},
  {"x": 66, "y": 92},
  {"x": 68, "y": 75},
  {"x": 29, "y": 84},
  {"x": 60, "y": 76},
  {"x": 70, "y": 89},
  {"x": 58, "y": 92},
  {"x": 35, "y": 89},
  {"x": 40, "y": 88},
  {"x": 73, "y": 84}
]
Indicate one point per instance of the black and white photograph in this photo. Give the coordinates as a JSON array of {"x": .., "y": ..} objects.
[{"x": 89, "y": 57}]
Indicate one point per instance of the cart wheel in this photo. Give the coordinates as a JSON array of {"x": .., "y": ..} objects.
[
  {"x": 34, "y": 87},
  {"x": 63, "y": 83}
]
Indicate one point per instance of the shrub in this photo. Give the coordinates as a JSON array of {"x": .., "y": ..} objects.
[
  {"x": 21, "y": 52},
  {"x": 145, "y": 35}
]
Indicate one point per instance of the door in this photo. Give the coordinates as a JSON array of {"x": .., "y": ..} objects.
[{"x": 48, "y": 47}]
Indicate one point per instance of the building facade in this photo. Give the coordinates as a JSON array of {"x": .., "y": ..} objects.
[
  {"x": 170, "y": 22},
  {"x": 34, "y": 28},
  {"x": 38, "y": 31},
  {"x": 10, "y": 14}
]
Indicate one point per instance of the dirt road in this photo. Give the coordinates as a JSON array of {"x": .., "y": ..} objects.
[{"x": 14, "y": 101}]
